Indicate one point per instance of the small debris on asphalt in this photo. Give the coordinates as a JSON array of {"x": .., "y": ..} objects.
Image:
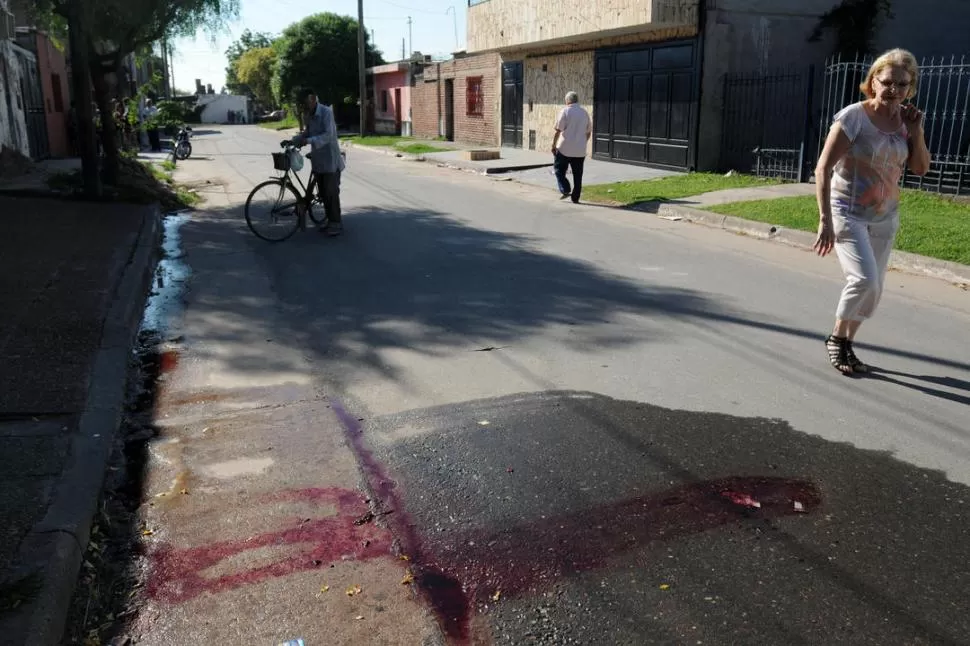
[
  {"x": 359, "y": 617},
  {"x": 497, "y": 595},
  {"x": 404, "y": 557},
  {"x": 408, "y": 579},
  {"x": 741, "y": 499},
  {"x": 325, "y": 588},
  {"x": 366, "y": 518},
  {"x": 799, "y": 507},
  {"x": 664, "y": 586},
  {"x": 484, "y": 422},
  {"x": 354, "y": 591},
  {"x": 184, "y": 492},
  {"x": 510, "y": 470}
]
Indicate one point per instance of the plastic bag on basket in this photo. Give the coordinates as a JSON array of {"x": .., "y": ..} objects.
[{"x": 296, "y": 159}]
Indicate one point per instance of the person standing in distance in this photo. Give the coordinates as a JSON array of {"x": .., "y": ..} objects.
[
  {"x": 573, "y": 130},
  {"x": 320, "y": 132}
]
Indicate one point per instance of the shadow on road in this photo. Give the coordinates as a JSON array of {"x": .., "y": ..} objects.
[
  {"x": 559, "y": 489},
  {"x": 708, "y": 527}
]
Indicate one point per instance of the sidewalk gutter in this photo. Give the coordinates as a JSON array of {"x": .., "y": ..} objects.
[
  {"x": 54, "y": 549},
  {"x": 900, "y": 260}
]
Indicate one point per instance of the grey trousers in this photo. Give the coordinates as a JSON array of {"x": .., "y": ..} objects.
[{"x": 863, "y": 248}]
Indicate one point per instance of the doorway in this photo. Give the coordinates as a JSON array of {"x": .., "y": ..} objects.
[
  {"x": 449, "y": 125},
  {"x": 512, "y": 104}
]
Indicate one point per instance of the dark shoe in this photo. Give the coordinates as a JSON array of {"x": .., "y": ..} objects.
[
  {"x": 334, "y": 229},
  {"x": 838, "y": 349},
  {"x": 854, "y": 361}
]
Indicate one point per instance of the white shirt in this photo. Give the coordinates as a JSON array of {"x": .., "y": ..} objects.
[{"x": 573, "y": 125}]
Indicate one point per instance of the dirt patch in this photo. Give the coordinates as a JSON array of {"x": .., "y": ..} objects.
[
  {"x": 13, "y": 164},
  {"x": 137, "y": 184}
]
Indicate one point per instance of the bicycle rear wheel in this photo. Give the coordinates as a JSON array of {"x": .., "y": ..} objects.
[{"x": 272, "y": 210}]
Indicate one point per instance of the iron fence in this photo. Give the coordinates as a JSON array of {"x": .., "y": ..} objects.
[
  {"x": 943, "y": 94},
  {"x": 766, "y": 123}
]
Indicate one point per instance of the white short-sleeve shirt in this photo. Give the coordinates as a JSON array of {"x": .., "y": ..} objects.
[{"x": 574, "y": 124}]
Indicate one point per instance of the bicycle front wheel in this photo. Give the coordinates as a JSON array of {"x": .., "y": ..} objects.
[{"x": 272, "y": 210}]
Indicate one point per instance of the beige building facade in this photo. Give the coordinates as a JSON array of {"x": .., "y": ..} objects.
[{"x": 605, "y": 52}]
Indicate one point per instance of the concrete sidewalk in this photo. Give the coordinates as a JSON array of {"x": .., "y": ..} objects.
[{"x": 73, "y": 281}]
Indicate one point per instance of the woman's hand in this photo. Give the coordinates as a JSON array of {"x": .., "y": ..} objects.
[
  {"x": 825, "y": 241},
  {"x": 912, "y": 117}
]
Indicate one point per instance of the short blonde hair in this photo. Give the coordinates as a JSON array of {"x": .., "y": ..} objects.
[{"x": 899, "y": 58}]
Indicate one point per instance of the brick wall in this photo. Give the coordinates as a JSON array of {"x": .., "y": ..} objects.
[
  {"x": 425, "y": 111},
  {"x": 428, "y": 96}
]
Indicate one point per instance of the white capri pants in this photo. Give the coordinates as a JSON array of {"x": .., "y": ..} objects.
[{"x": 863, "y": 248}]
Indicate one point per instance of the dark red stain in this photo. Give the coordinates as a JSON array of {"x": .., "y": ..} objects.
[
  {"x": 457, "y": 574},
  {"x": 168, "y": 361},
  {"x": 177, "y": 575}
]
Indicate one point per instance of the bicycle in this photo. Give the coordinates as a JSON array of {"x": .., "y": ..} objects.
[{"x": 284, "y": 217}]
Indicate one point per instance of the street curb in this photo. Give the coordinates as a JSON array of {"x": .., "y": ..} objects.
[
  {"x": 899, "y": 260},
  {"x": 54, "y": 549},
  {"x": 487, "y": 172},
  {"x": 385, "y": 151}
]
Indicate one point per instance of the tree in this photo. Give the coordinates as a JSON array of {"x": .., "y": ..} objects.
[
  {"x": 320, "y": 52},
  {"x": 255, "y": 69},
  {"x": 247, "y": 41},
  {"x": 112, "y": 29},
  {"x": 854, "y": 23}
]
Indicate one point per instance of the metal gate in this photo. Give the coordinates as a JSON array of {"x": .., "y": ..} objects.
[
  {"x": 766, "y": 123},
  {"x": 646, "y": 104},
  {"x": 33, "y": 95},
  {"x": 512, "y": 104}
]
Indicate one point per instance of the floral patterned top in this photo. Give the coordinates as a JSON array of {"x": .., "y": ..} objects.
[{"x": 865, "y": 183}]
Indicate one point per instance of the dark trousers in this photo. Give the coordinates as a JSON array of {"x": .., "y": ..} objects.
[
  {"x": 154, "y": 139},
  {"x": 576, "y": 164},
  {"x": 328, "y": 190}
]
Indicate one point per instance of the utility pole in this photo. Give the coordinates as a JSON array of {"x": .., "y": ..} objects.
[
  {"x": 454, "y": 11},
  {"x": 361, "y": 66},
  {"x": 403, "y": 55},
  {"x": 410, "y": 40}
]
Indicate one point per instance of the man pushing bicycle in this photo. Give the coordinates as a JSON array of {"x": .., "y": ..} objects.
[{"x": 320, "y": 131}]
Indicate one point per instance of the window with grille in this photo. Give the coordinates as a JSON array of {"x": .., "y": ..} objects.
[{"x": 475, "y": 97}]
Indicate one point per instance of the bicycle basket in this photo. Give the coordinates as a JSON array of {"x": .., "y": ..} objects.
[{"x": 281, "y": 161}]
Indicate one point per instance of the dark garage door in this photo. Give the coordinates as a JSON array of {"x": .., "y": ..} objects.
[{"x": 646, "y": 104}]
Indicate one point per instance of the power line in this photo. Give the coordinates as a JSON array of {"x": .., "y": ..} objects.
[{"x": 401, "y": 6}]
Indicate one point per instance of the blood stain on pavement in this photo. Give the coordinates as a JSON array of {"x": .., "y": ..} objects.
[{"x": 180, "y": 575}]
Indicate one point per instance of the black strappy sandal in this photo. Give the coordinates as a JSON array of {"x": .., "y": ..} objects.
[
  {"x": 854, "y": 361},
  {"x": 839, "y": 348}
]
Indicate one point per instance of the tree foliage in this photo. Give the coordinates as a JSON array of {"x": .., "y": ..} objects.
[
  {"x": 854, "y": 23},
  {"x": 247, "y": 41},
  {"x": 255, "y": 69},
  {"x": 320, "y": 52}
]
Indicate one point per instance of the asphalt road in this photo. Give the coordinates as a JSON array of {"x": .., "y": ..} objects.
[{"x": 579, "y": 425}]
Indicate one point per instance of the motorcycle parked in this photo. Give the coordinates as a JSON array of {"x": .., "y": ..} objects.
[{"x": 183, "y": 147}]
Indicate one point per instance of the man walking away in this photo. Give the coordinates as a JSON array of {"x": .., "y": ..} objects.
[
  {"x": 321, "y": 133},
  {"x": 573, "y": 130}
]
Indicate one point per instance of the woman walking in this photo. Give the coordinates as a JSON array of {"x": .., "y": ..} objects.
[{"x": 857, "y": 185}]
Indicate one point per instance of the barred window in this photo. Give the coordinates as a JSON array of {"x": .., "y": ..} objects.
[{"x": 475, "y": 96}]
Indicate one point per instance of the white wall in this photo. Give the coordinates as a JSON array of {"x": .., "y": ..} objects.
[
  {"x": 13, "y": 124},
  {"x": 216, "y": 107}
]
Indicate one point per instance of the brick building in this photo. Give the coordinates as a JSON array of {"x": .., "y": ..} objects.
[{"x": 459, "y": 100}]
